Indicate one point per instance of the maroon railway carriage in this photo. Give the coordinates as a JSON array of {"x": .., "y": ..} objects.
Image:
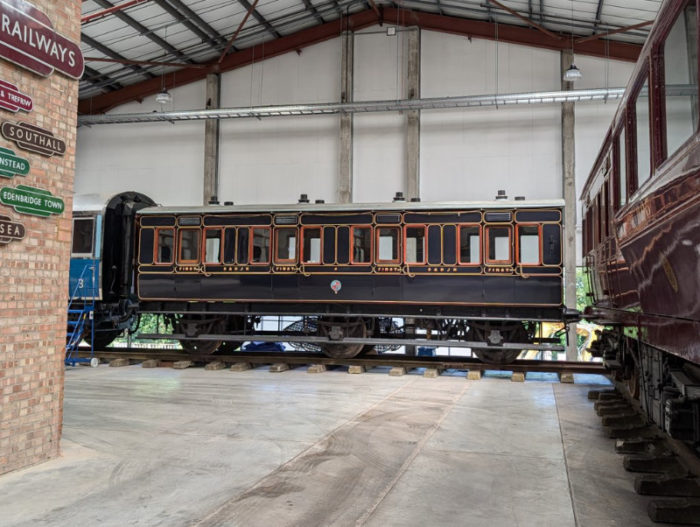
[{"x": 641, "y": 227}]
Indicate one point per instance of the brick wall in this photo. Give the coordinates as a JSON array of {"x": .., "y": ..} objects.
[{"x": 34, "y": 271}]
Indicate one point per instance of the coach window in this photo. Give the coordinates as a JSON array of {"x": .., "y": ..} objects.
[
  {"x": 643, "y": 136},
  {"x": 469, "y": 245},
  {"x": 498, "y": 245},
  {"x": 361, "y": 239},
  {"x": 528, "y": 244},
  {"x": 414, "y": 244},
  {"x": 229, "y": 245},
  {"x": 242, "y": 245},
  {"x": 621, "y": 170},
  {"x": 311, "y": 245},
  {"x": 212, "y": 246},
  {"x": 164, "y": 254},
  {"x": 189, "y": 245},
  {"x": 83, "y": 229},
  {"x": 388, "y": 245},
  {"x": 681, "y": 79},
  {"x": 285, "y": 245},
  {"x": 260, "y": 245}
]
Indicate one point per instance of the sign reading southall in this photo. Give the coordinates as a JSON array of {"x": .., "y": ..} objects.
[{"x": 28, "y": 39}]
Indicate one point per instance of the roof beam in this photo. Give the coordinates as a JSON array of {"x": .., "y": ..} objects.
[
  {"x": 260, "y": 18},
  {"x": 524, "y": 19},
  {"x": 114, "y": 55},
  {"x": 180, "y": 17},
  {"x": 614, "y": 31},
  {"x": 97, "y": 78},
  {"x": 404, "y": 17},
  {"x": 195, "y": 18},
  {"x": 314, "y": 11},
  {"x": 105, "y": 12},
  {"x": 235, "y": 33},
  {"x": 143, "y": 30}
]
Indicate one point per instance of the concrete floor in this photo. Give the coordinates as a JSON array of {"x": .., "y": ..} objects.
[{"x": 167, "y": 447}]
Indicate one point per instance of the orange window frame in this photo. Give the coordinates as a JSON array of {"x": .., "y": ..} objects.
[
  {"x": 488, "y": 260},
  {"x": 251, "y": 239},
  {"x": 539, "y": 244},
  {"x": 301, "y": 244},
  {"x": 180, "y": 232},
  {"x": 459, "y": 243},
  {"x": 277, "y": 260},
  {"x": 425, "y": 243},
  {"x": 352, "y": 247},
  {"x": 204, "y": 246},
  {"x": 398, "y": 241},
  {"x": 156, "y": 237}
]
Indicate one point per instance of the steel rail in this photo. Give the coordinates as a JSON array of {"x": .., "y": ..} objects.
[
  {"x": 292, "y": 110},
  {"x": 277, "y": 337},
  {"x": 394, "y": 360}
]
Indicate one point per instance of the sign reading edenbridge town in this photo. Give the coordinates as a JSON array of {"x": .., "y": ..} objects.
[
  {"x": 28, "y": 39},
  {"x": 30, "y": 200},
  {"x": 33, "y": 138},
  {"x": 14, "y": 100},
  {"x": 12, "y": 165},
  {"x": 10, "y": 230}
]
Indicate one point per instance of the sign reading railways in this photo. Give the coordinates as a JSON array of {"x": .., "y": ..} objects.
[{"x": 28, "y": 39}]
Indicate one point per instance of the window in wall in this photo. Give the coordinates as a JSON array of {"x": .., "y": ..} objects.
[
  {"x": 469, "y": 244},
  {"x": 243, "y": 245},
  {"x": 681, "y": 79},
  {"x": 415, "y": 244},
  {"x": 361, "y": 240},
  {"x": 286, "y": 244},
  {"x": 643, "y": 136},
  {"x": 230, "y": 245},
  {"x": 189, "y": 245},
  {"x": 622, "y": 170},
  {"x": 212, "y": 246},
  {"x": 312, "y": 245},
  {"x": 528, "y": 244},
  {"x": 498, "y": 242},
  {"x": 388, "y": 244},
  {"x": 164, "y": 245},
  {"x": 83, "y": 229},
  {"x": 260, "y": 245}
]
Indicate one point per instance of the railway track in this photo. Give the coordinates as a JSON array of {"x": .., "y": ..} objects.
[{"x": 367, "y": 361}]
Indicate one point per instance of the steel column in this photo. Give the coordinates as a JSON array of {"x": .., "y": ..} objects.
[
  {"x": 413, "y": 116},
  {"x": 211, "y": 141},
  {"x": 345, "y": 186},
  {"x": 568, "y": 159}
]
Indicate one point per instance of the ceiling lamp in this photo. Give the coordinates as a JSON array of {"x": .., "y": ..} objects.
[
  {"x": 572, "y": 74},
  {"x": 164, "y": 97}
]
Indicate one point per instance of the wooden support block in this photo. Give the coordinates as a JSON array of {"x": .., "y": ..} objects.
[
  {"x": 474, "y": 375},
  {"x": 662, "y": 485},
  {"x": 432, "y": 373},
  {"x": 279, "y": 367},
  {"x": 610, "y": 396},
  {"x": 653, "y": 464},
  {"x": 397, "y": 371},
  {"x": 628, "y": 418},
  {"x": 150, "y": 363},
  {"x": 629, "y": 432},
  {"x": 215, "y": 365},
  {"x": 612, "y": 409},
  {"x": 182, "y": 364},
  {"x": 566, "y": 378},
  {"x": 317, "y": 368},
  {"x": 518, "y": 376},
  {"x": 356, "y": 369},
  {"x": 241, "y": 366},
  {"x": 118, "y": 363},
  {"x": 674, "y": 511}
]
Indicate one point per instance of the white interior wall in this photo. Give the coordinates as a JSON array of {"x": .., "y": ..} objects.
[
  {"x": 465, "y": 154},
  {"x": 162, "y": 160}
]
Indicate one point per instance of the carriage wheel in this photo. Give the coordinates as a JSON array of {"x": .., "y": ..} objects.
[
  {"x": 496, "y": 356},
  {"x": 203, "y": 325},
  {"x": 353, "y": 329}
]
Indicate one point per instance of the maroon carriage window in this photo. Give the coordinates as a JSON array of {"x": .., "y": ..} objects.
[
  {"x": 361, "y": 245},
  {"x": 165, "y": 239},
  {"x": 212, "y": 246},
  {"x": 469, "y": 244},
  {"x": 259, "y": 249},
  {"x": 188, "y": 246},
  {"x": 286, "y": 245},
  {"x": 387, "y": 245},
  {"x": 529, "y": 246},
  {"x": 498, "y": 244},
  {"x": 415, "y": 237},
  {"x": 311, "y": 245}
]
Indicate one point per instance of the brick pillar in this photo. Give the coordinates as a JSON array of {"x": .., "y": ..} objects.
[{"x": 34, "y": 271}]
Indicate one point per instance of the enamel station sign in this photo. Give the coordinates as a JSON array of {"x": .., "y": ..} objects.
[
  {"x": 28, "y": 39},
  {"x": 30, "y": 200},
  {"x": 32, "y": 138},
  {"x": 14, "y": 100}
]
